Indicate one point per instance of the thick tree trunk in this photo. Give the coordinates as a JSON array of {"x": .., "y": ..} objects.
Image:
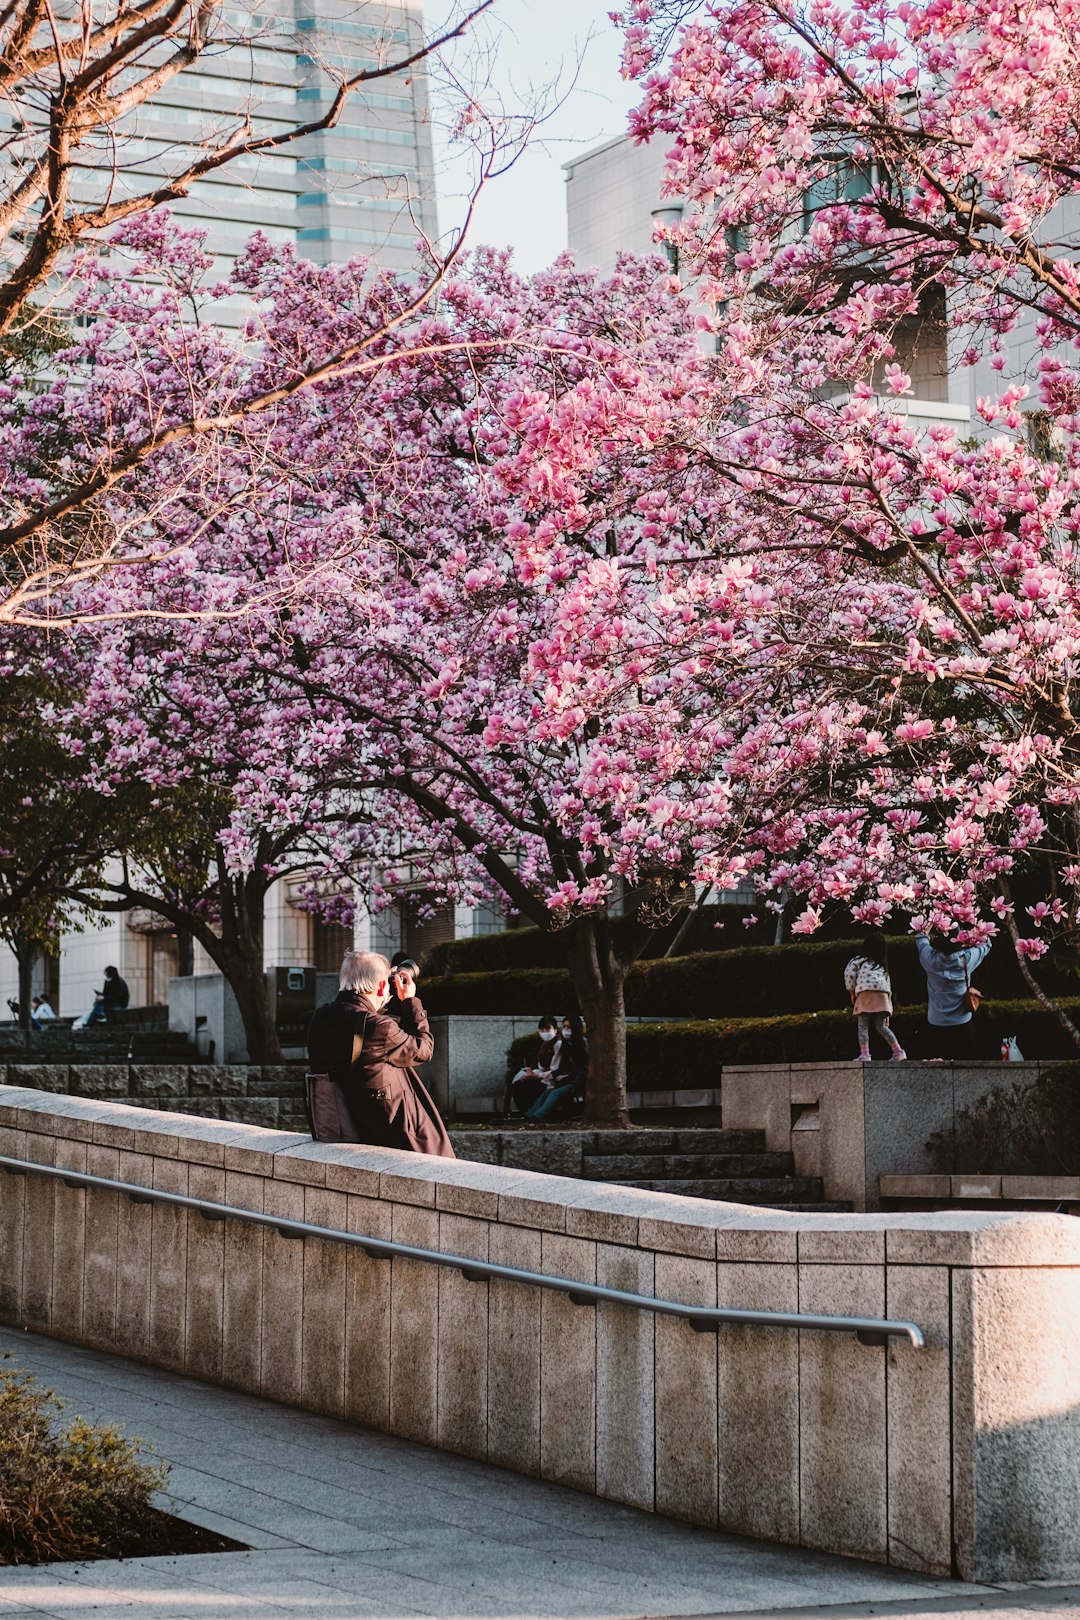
[
  {"x": 235, "y": 947},
  {"x": 247, "y": 977},
  {"x": 239, "y": 955},
  {"x": 599, "y": 980}
]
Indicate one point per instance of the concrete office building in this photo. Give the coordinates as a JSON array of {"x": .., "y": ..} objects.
[
  {"x": 614, "y": 205},
  {"x": 613, "y": 202}
]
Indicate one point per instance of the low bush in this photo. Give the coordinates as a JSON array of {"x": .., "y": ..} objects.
[
  {"x": 763, "y": 981},
  {"x": 721, "y": 958},
  {"x": 712, "y": 928},
  {"x": 1032, "y": 1130},
  {"x": 520, "y": 993},
  {"x": 687, "y": 1055},
  {"x": 67, "y": 1492}
]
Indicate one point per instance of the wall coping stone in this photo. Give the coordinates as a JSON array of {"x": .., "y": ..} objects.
[{"x": 591, "y": 1210}]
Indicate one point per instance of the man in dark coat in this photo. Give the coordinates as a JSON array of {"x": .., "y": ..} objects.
[{"x": 364, "y": 1087}]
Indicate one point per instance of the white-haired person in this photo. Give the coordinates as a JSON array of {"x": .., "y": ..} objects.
[{"x": 363, "y": 1081}]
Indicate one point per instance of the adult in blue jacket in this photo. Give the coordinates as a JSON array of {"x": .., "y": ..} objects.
[{"x": 949, "y": 969}]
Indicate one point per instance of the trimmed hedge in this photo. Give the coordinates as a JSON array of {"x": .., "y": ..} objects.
[
  {"x": 523, "y": 993},
  {"x": 754, "y": 981},
  {"x": 663, "y": 1057},
  {"x": 714, "y": 928}
]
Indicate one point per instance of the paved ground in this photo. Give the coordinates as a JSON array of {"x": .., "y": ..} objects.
[{"x": 345, "y": 1524}]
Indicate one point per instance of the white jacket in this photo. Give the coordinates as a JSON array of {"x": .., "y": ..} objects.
[{"x": 862, "y": 974}]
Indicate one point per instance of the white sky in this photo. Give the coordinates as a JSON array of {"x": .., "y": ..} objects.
[{"x": 565, "y": 50}]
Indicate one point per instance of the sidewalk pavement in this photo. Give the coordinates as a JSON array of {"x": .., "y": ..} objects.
[{"x": 346, "y": 1524}]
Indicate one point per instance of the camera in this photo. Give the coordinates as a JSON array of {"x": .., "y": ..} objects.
[{"x": 402, "y": 968}]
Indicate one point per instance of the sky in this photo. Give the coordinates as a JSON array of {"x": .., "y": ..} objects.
[{"x": 525, "y": 53}]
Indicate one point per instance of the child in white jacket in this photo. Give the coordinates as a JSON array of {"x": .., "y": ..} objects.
[{"x": 870, "y": 988}]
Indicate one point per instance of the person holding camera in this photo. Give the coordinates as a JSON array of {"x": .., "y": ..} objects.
[{"x": 363, "y": 1085}]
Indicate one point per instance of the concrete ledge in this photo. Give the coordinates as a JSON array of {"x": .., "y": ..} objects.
[
  {"x": 250, "y": 1093},
  {"x": 973, "y": 1188},
  {"x": 965, "y": 1455}
]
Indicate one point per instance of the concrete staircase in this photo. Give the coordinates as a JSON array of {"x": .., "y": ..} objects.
[
  {"x": 702, "y": 1163},
  {"x": 140, "y": 1035}
]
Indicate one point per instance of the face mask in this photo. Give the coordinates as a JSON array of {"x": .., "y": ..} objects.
[
  {"x": 567, "y": 1032},
  {"x": 547, "y": 1034}
]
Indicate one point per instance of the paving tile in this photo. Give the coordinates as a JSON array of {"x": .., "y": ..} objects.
[{"x": 352, "y": 1524}]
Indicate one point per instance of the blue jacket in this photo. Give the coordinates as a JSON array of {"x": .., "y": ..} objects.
[{"x": 948, "y": 974}]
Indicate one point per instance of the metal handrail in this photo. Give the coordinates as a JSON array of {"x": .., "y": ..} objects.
[{"x": 702, "y": 1318}]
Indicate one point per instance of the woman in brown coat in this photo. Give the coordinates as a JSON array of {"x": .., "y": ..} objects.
[{"x": 364, "y": 1085}]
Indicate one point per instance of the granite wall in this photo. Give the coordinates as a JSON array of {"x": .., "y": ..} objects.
[
  {"x": 270, "y": 1095},
  {"x": 964, "y": 1456},
  {"x": 852, "y": 1123}
]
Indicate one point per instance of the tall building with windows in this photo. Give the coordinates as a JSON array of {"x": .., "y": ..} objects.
[{"x": 365, "y": 186}]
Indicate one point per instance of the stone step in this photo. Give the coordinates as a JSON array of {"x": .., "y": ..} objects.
[
  {"x": 693, "y": 1166},
  {"x": 162, "y": 1045},
  {"x": 781, "y": 1193},
  {"x": 676, "y": 1116},
  {"x": 825, "y": 1207},
  {"x": 687, "y": 1140}
]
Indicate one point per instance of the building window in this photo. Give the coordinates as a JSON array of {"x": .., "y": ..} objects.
[
  {"x": 329, "y": 944},
  {"x": 421, "y": 935},
  {"x": 845, "y": 181},
  {"x": 164, "y": 964},
  {"x": 487, "y": 920},
  {"x": 327, "y": 233}
]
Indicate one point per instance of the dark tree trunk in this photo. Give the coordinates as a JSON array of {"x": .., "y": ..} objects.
[
  {"x": 235, "y": 947},
  {"x": 247, "y": 978},
  {"x": 239, "y": 955},
  {"x": 598, "y": 980},
  {"x": 25, "y": 956}
]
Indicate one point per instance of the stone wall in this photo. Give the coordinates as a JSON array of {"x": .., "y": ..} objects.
[
  {"x": 964, "y": 1456},
  {"x": 272, "y": 1096},
  {"x": 849, "y": 1124},
  {"x": 852, "y": 1123}
]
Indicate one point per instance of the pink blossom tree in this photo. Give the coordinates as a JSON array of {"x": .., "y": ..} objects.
[
  {"x": 154, "y": 659},
  {"x": 527, "y": 685},
  {"x": 494, "y": 678},
  {"x": 851, "y": 178},
  {"x": 87, "y": 158}
]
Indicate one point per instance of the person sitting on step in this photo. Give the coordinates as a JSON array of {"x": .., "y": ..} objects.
[
  {"x": 525, "y": 1087},
  {"x": 564, "y": 1089}
]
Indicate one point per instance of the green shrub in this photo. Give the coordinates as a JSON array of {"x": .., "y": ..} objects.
[
  {"x": 739, "y": 962},
  {"x": 687, "y": 1055},
  {"x": 520, "y": 993},
  {"x": 1030, "y": 1130},
  {"x": 761, "y": 981},
  {"x": 80, "y": 1491},
  {"x": 712, "y": 928}
]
